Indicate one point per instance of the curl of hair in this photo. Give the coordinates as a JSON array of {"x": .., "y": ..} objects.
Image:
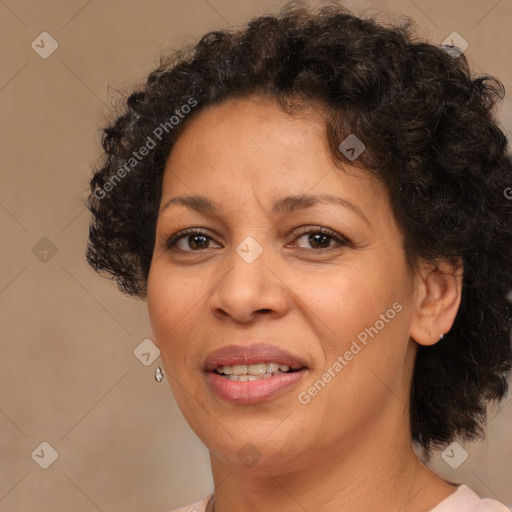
[{"x": 430, "y": 135}]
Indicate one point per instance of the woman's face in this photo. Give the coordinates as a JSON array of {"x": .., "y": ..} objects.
[{"x": 294, "y": 262}]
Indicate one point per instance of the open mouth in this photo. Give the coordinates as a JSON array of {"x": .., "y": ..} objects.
[{"x": 250, "y": 372}]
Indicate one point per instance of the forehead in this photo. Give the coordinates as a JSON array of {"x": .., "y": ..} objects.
[
  {"x": 249, "y": 147},
  {"x": 244, "y": 135}
]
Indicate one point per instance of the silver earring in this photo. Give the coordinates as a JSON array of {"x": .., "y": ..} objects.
[
  {"x": 159, "y": 374},
  {"x": 441, "y": 337}
]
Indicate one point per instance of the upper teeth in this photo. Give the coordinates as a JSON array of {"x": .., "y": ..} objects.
[{"x": 252, "y": 369}]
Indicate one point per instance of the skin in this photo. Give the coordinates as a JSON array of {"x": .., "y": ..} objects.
[{"x": 350, "y": 447}]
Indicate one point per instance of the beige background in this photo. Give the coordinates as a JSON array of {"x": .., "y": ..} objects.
[{"x": 68, "y": 375}]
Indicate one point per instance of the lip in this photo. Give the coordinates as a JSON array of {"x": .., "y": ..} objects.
[
  {"x": 256, "y": 391},
  {"x": 251, "y": 354}
]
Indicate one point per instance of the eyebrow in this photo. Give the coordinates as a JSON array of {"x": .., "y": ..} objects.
[{"x": 287, "y": 204}]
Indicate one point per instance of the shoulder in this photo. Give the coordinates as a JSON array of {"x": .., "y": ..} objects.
[
  {"x": 200, "y": 506},
  {"x": 466, "y": 500}
]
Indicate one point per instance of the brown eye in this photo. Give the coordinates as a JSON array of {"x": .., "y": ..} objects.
[
  {"x": 320, "y": 238},
  {"x": 317, "y": 240},
  {"x": 190, "y": 241},
  {"x": 194, "y": 242}
]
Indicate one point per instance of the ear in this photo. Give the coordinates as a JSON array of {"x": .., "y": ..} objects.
[{"x": 437, "y": 300}]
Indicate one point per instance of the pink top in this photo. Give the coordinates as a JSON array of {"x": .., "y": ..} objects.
[
  {"x": 462, "y": 500},
  {"x": 465, "y": 500}
]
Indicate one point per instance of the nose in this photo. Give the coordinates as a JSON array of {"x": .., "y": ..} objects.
[{"x": 248, "y": 291}]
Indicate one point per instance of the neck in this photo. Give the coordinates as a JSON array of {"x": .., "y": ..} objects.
[
  {"x": 382, "y": 475},
  {"x": 373, "y": 467}
]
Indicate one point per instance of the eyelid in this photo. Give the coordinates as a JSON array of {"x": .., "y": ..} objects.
[
  {"x": 170, "y": 241},
  {"x": 340, "y": 240}
]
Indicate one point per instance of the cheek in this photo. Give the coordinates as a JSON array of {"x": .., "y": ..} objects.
[
  {"x": 341, "y": 304},
  {"x": 359, "y": 315},
  {"x": 365, "y": 339},
  {"x": 168, "y": 301},
  {"x": 171, "y": 305}
]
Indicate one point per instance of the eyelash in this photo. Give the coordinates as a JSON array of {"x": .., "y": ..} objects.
[{"x": 336, "y": 237}]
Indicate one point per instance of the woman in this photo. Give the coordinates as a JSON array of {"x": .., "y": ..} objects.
[{"x": 314, "y": 207}]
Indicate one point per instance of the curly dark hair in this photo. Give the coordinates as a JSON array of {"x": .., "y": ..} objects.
[{"x": 430, "y": 135}]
